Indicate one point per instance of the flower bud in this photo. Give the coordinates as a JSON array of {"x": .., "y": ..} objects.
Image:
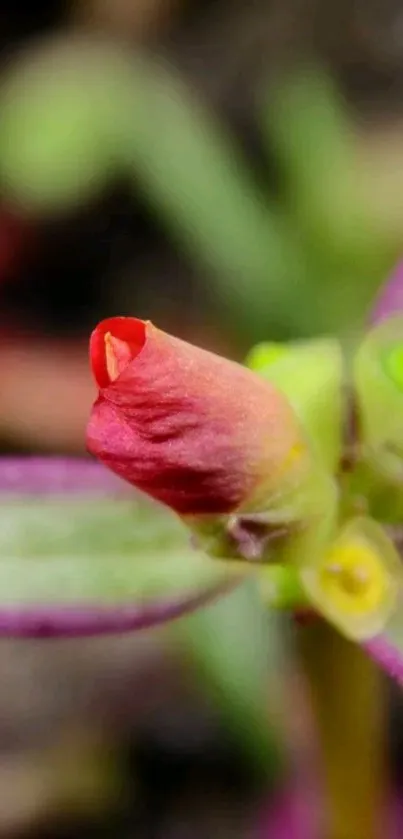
[{"x": 197, "y": 432}]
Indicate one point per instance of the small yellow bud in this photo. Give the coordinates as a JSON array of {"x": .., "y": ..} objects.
[
  {"x": 355, "y": 583},
  {"x": 354, "y": 578}
]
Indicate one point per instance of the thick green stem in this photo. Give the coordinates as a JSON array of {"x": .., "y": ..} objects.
[{"x": 347, "y": 700}]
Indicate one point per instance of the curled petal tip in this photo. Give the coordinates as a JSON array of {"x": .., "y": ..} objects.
[
  {"x": 113, "y": 345},
  {"x": 118, "y": 355}
]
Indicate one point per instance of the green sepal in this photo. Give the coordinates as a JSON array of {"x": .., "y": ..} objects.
[
  {"x": 311, "y": 375},
  {"x": 298, "y": 523},
  {"x": 379, "y": 393}
]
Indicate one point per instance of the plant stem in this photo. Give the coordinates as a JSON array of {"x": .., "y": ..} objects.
[{"x": 347, "y": 701}]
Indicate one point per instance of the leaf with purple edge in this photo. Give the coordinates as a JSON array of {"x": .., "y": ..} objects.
[{"x": 82, "y": 554}]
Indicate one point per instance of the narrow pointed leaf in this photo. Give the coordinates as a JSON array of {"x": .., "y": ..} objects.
[
  {"x": 196, "y": 179},
  {"x": 306, "y": 118}
]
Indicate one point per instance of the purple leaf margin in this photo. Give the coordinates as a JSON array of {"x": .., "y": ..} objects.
[
  {"x": 43, "y": 476},
  {"x": 57, "y": 475}
]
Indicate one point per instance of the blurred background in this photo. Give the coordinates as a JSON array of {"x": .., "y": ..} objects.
[{"x": 232, "y": 171}]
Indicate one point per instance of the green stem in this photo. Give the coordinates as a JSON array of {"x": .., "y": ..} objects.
[
  {"x": 346, "y": 697},
  {"x": 281, "y": 588}
]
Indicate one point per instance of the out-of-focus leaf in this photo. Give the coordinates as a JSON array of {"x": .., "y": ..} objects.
[
  {"x": 75, "y": 113},
  {"x": 329, "y": 197},
  {"x": 196, "y": 179},
  {"x": 60, "y": 107},
  {"x": 235, "y": 647},
  {"x": 306, "y": 119},
  {"x": 95, "y": 553}
]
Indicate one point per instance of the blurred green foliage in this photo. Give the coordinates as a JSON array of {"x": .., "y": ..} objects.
[
  {"x": 237, "y": 650},
  {"x": 304, "y": 260}
]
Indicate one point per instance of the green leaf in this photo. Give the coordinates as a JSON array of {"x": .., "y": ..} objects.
[
  {"x": 60, "y": 109},
  {"x": 330, "y": 198},
  {"x": 234, "y": 645},
  {"x": 306, "y": 118},
  {"x": 196, "y": 179},
  {"x": 73, "y": 550}
]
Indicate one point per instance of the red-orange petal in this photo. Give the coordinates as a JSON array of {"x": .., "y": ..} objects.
[{"x": 194, "y": 430}]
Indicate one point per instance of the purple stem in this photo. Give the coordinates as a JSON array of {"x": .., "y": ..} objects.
[
  {"x": 294, "y": 815},
  {"x": 390, "y": 300},
  {"x": 388, "y": 658}
]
